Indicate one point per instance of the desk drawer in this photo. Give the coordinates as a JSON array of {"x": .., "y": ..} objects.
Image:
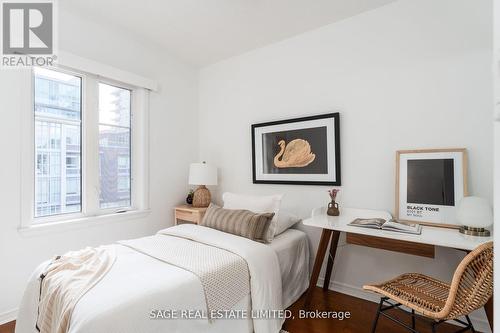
[{"x": 417, "y": 249}]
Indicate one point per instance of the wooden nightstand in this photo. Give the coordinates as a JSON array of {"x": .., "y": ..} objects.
[{"x": 189, "y": 214}]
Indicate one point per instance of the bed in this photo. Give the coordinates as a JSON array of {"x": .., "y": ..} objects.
[
  {"x": 292, "y": 248},
  {"x": 138, "y": 284}
]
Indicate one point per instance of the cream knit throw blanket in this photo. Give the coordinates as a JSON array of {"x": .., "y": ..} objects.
[
  {"x": 224, "y": 275},
  {"x": 66, "y": 279}
]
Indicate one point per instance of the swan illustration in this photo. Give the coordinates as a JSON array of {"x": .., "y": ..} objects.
[{"x": 295, "y": 154}]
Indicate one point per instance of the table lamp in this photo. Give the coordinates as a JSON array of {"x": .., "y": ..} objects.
[
  {"x": 475, "y": 215},
  {"x": 202, "y": 174}
]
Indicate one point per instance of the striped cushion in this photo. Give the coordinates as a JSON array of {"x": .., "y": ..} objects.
[{"x": 238, "y": 222}]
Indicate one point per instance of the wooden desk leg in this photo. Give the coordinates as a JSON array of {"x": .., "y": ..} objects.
[
  {"x": 331, "y": 258},
  {"x": 318, "y": 262},
  {"x": 488, "y": 308}
]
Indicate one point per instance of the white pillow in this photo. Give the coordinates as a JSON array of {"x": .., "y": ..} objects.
[
  {"x": 256, "y": 204},
  {"x": 285, "y": 222}
]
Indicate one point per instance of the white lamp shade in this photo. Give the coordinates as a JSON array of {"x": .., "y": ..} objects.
[
  {"x": 202, "y": 174},
  {"x": 475, "y": 212}
]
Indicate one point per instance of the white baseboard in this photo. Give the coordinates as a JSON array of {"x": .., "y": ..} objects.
[
  {"x": 8, "y": 316},
  {"x": 480, "y": 324}
]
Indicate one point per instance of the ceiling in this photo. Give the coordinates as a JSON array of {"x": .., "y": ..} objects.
[{"x": 202, "y": 32}]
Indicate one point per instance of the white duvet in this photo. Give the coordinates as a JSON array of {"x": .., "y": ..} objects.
[{"x": 137, "y": 284}]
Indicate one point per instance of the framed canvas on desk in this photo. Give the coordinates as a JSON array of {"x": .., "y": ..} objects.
[{"x": 430, "y": 184}]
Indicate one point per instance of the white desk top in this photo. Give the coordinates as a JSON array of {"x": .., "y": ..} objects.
[{"x": 430, "y": 235}]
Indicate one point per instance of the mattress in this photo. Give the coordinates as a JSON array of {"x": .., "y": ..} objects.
[{"x": 292, "y": 249}]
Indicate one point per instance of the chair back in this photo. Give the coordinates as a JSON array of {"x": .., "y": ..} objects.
[{"x": 472, "y": 284}]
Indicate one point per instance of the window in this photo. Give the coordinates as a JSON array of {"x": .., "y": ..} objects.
[
  {"x": 123, "y": 162},
  {"x": 57, "y": 112},
  {"x": 123, "y": 185},
  {"x": 81, "y": 147},
  {"x": 114, "y": 146}
]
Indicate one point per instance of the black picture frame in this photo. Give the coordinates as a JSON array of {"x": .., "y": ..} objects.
[{"x": 336, "y": 152}]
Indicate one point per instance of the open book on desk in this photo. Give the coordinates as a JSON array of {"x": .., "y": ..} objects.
[{"x": 390, "y": 225}]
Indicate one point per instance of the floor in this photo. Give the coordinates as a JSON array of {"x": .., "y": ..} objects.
[
  {"x": 7, "y": 328},
  {"x": 362, "y": 314}
]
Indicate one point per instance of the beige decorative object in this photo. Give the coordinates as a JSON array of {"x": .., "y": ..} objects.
[
  {"x": 295, "y": 154},
  {"x": 470, "y": 288},
  {"x": 202, "y": 174},
  {"x": 201, "y": 197}
]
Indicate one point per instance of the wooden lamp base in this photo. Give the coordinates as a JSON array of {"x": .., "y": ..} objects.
[{"x": 201, "y": 197}]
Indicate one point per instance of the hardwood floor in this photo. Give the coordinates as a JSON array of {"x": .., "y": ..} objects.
[
  {"x": 362, "y": 314},
  {"x": 8, "y": 328}
]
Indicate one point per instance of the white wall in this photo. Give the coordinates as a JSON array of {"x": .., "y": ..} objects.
[
  {"x": 496, "y": 101},
  {"x": 173, "y": 142},
  {"x": 412, "y": 74}
]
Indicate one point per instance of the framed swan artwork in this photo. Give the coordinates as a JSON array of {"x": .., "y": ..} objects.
[{"x": 300, "y": 151}]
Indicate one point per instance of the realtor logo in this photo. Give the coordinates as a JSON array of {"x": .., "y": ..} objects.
[{"x": 27, "y": 28}]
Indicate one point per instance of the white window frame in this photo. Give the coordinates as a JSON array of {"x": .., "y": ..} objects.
[{"x": 139, "y": 153}]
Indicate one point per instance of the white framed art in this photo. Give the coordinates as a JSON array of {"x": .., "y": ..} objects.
[{"x": 430, "y": 184}]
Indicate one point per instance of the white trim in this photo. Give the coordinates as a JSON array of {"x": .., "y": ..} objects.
[
  {"x": 90, "y": 147},
  {"x": 84, "y": 222},
  {"x": 140, "y": 149},
  {"x": 8, "y": 316},
  {"x": 93, "y": 67},
  {"x": 27, "y": 156},
  {"x": 480, "y": 324}
]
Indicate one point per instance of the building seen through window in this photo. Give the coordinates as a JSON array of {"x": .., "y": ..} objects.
[
  {"x": 57, "y": 106},
  {"x": 58, "y": 144}
]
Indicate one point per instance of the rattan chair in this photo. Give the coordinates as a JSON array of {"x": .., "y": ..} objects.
[{"x": 470, "y": 289}]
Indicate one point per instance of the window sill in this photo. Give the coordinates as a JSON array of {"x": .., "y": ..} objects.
[{"x": 78, "y": 223}]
